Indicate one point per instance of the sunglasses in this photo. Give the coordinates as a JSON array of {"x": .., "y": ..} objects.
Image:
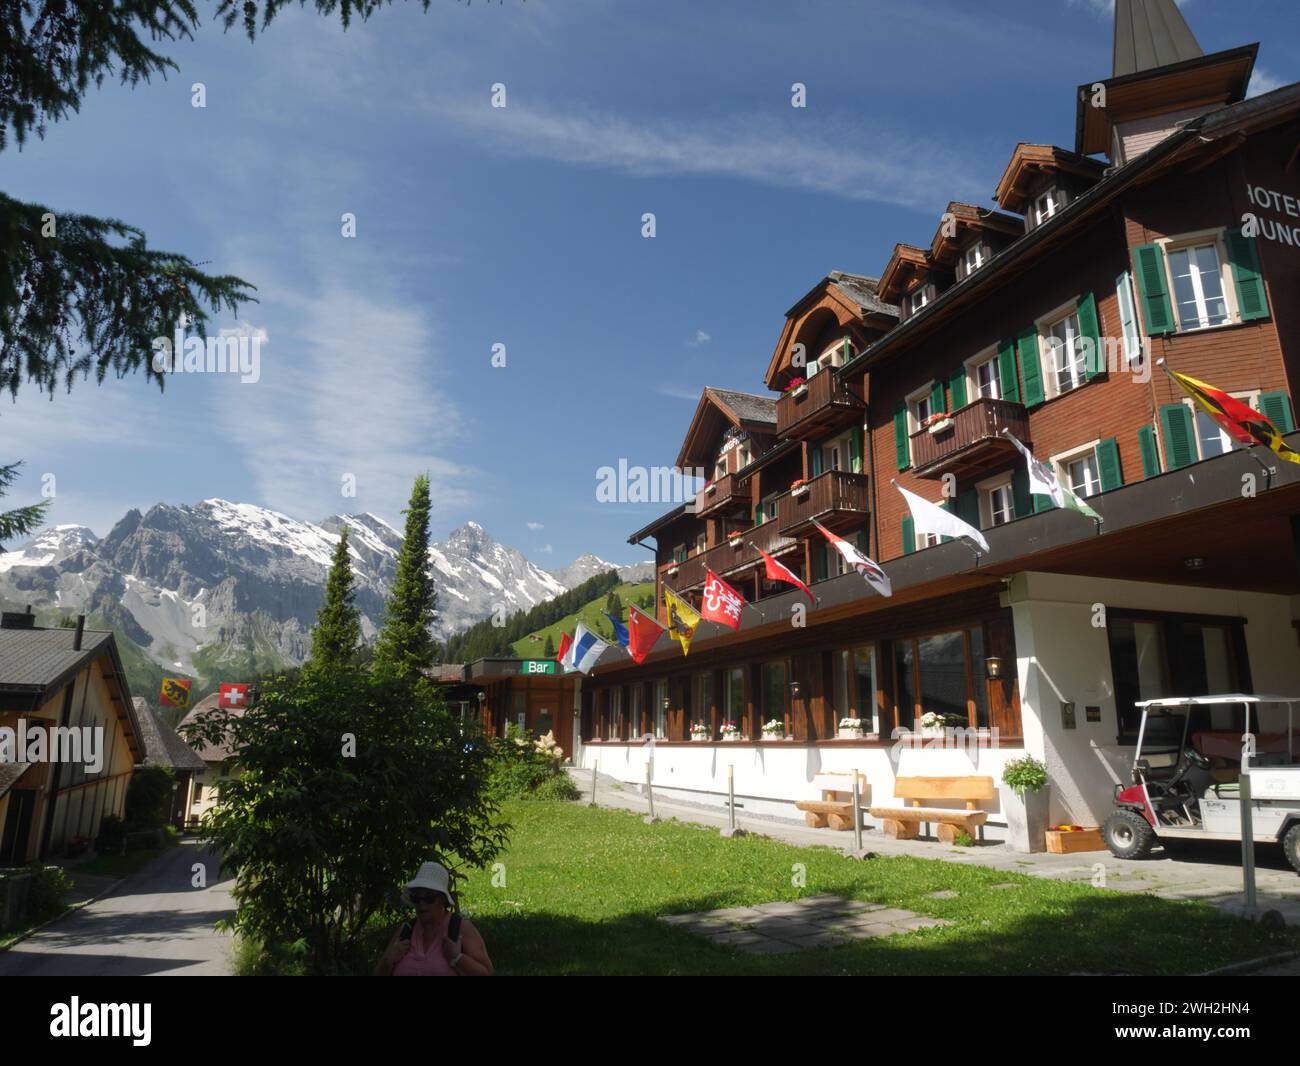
[{"x": 425, "y": 897}]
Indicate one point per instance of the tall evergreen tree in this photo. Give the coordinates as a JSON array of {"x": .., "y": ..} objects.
[
  {"x": 337, "y": 632},
  {"x": 405, "y": 644},
  {"x": 549, "y": 652}
]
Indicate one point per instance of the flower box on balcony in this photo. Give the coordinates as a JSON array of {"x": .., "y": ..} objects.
[
  {"x": 737, "y": 542},
  {"x": 937, "y": 424},
  {"x": 799, "y": 488}
]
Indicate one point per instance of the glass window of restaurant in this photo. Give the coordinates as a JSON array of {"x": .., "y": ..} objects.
[
  {"x": 734, "y": 698},
  {"x": 942, "y": 674},
  {"x": 660, "y": 714},
  {"x": 702, "y": 700},
  {"x": 855, "y": 687},
  {"x": 775, "y": 693}
]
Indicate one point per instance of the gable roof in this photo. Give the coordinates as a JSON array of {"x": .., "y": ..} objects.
[
  {"x": 41, "y": 659},
  {"x": 718, "y": 408},
  {"x": 1030, "y": 160},
  {"x": 162, "y": 744},
  {"x": 205, "y": 751},
  {"x": 1150, "y": 34}
]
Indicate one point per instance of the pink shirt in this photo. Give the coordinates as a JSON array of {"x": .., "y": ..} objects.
[{"x": 426, "y": 959}]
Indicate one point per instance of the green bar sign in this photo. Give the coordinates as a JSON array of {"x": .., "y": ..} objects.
[{"x": 538, "y": 666}]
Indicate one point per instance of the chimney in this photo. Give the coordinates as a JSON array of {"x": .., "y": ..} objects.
[
  {"x": 81, "y": 629},
  {"x": 18, "y": 619}
]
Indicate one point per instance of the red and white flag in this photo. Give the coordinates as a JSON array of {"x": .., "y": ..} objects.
[
  {"x": 566, "y": 642},
  {"x": 642, "y": 632},
  {"x": 778, "y": 572},
  {"x": 868, "y": 568},
  {"x": 234, "y": 697},
  {"x": 721, "y": 603}
]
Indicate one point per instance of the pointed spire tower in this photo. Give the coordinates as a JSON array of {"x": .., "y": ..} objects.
[{"x": 1160, "y": 79}]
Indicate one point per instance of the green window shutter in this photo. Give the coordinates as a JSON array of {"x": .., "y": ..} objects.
[
  {"x": 855, "y": 450},
  {"x": 957, "y": 388},
  {"x": 1020, "y": 498},
  {"x": 820, "y": 567},
  {"x": 758, "y": 514},
  {"x": 1007, "y": 375},
  {"x": 1251, "y": 300},
  {"x": 1180, "y": 443},
  {"x": 1276, "y": 407},
  {"x": 816, "y": 459},
  {"x": 1040, "y": 502},
  {"x": 1112, "y": 477},
  {"x": 947, "y": 506},
  {"x": 1153, "y": 289},
  {"x": 1150, "y": 453},
  {"x": 936, "y": 398},
  {"x": 968, "y": 507},
  {"x": 1090, "y": 327},
  {"x": 1031, "y": 366},
  {"x": 901, "y": 446},
  {"x": 909, "y": 535},
  {"x": 864, "y": 542}
]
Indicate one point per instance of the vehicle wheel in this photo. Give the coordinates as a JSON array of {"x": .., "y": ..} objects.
[
  {"x": 1291, "y": 846},
  {"x": 1128, "y": 835}
]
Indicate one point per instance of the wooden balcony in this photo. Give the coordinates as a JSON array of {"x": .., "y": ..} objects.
[
  {"x": 823, "y": 405},
  {"x": 836, "y": 499},
  {"x": 727, "y": 560},
  {"x": 973, "y": 443},
  {"x": 722, "y": 495}
]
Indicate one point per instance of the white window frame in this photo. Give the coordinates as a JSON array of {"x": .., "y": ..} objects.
[
  {"x": 1129, "y": 320},
  {"x": 985, "y": 489},
  {"x": 1182, "y": 241},
  {"x": 926, "y": 540},
  {"x": 925, "y": 292},
  {"x": 1046, "y": 363},
  {"x": 1062, "y": 459},
  {"x": 980, "y": 258},
  {"x": 1250, "y": 398},
  {"x": 912, "y": 401},
  {"x": 1054, "y": 195},
  {"x": 988, "y": 355}
]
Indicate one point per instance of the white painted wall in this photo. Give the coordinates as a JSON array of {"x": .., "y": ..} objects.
[{"x": 1062, "y": 656}]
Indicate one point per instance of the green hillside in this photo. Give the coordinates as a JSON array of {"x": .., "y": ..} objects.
[{"x": 642, "y": 594}]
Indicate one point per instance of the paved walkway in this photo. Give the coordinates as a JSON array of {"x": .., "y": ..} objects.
[
  {"x": 1210, "y": 872},
  {"x": 154, "y": 922}
]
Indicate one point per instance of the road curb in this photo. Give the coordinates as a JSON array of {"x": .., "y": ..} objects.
[
  {"x": 1251, "y": 964},
  {"x": 68, "y": 910}
]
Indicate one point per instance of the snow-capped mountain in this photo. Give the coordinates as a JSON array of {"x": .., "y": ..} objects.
[
  {"x": 221, "y": 582},
  {"x": 588, "y": 566}
]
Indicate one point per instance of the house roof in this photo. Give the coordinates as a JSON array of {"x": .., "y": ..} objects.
[
  {"x": 162, "y": 744},
  {"x": 40, "y": 659},
  {"x": 1150, "y": 34},
  {"x": 10, "y": 772},
  {"x": 718, "y": 408},
  {"x": 209, "y": 752},
  {"x": 905, "y": 262},
  {"x": 967, "y": 217},
  {"x": 1029, "y": 161}
]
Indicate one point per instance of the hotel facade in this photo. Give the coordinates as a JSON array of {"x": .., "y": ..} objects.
[{"x": 1167, "y": 236}]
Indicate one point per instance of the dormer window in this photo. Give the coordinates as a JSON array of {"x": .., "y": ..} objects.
[
  {"x": 919, "y": 297},
  {"x": 1046, "y": 205},
  {"x": 974, "y": 258}
]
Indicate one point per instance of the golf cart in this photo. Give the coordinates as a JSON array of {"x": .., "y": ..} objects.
[{"x": 1186, "y": 781}]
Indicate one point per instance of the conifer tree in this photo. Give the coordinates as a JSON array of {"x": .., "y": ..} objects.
[
  {"x": 549, "y": 652},
  {"x": 337, "y": 632},
  {"x": 405, "y": 643}
]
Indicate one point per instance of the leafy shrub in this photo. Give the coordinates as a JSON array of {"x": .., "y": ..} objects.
[
  {"x": 50, "y": 884},
  {"x": 560, "y": 787},
  {"x": 1025, "y": 775},
  {"x": 521, "y": 766},
  {"x": 112, "y": 834},
  {"x": 149, "y": 797}
]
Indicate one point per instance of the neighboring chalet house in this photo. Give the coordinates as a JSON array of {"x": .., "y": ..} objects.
[
  {"x": 164, "y": 747},
  {"x": 1132, "y": 238},
  {"x": 70, "y": 679},
  {"x": 204, "y": 787}
]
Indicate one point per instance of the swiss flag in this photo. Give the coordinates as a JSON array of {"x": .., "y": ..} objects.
[
  {"x": 721, "y": 603},
  {"x": 642, "y": 632},
  {"x": 233, "y": 696},
  {"x": 780, "y": 572}
]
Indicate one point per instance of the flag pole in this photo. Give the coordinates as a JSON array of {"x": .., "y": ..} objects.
[{"x": 1269, "y": 471}]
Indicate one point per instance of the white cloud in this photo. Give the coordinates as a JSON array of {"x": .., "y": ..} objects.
[
  {"x": 860, "y": 159},
  {"x": 1264, "y": 81},
  {"x": 547, "y": 549},
  {"x": 678, "y": 393},
  {"x": 700, "y": 338},
  {"x": 535, "y": 525}
]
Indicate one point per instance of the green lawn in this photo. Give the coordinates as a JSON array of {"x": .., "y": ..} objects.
[
  {"x": 591, "y": 614},
  {"x": 583, "y": 889},
  {"x": 115, "y": 865}
]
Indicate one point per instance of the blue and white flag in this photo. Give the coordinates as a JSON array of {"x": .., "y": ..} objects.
[
  {"x": 587, "y": 648},
  {"x": 620, "y": 630}
]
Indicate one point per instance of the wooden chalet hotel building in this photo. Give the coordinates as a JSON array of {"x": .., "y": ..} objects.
[{"x": 1192, "y": 584}]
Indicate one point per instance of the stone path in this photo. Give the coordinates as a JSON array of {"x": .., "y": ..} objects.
[{"x": 815, "y": 922}]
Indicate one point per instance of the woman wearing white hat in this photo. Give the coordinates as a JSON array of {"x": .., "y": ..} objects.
[{"x": 439, "y": 943}]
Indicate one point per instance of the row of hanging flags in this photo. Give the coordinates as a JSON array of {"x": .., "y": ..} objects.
[{"x": 724, "y": 605}]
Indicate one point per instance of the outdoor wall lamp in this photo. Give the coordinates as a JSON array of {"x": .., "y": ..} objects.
[
  {"x": 1194, "y": 562},
  {"x": 482, "y": 698},
  {"x": 667, "y": 703},
  {"x": 993, "y": 664},
  {"x": 796, "y": 690}
]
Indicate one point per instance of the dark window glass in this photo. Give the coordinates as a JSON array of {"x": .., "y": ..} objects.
[
  {"x": 943, "y": 676},
  {"x": 906, "y": 681}
]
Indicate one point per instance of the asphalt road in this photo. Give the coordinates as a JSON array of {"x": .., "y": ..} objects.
[{"x": 155, "y": 922}]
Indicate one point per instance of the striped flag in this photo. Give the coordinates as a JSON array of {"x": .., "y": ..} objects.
[
  {"x": 587, "y": 648},
  {"x": 1243, "y": 423},
  {"x": 561, "y": 656}
]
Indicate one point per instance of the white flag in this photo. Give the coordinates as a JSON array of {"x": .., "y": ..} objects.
[
  {"x": 587, "y": 648},
  {"x": 1044, "y": 482},
  {"x": 871, "y": 572},
  {"x": 931, "y": 518}
]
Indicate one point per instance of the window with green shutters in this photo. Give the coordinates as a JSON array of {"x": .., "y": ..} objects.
[
  {"x": 968, "y": 507},
  {"x": 1031, "y": 366},
  {"x": 1180, "y": 436},
  {"x": 1090, "y": 330},
  {"x": 1020, "y": 492},
  {"x": 816, "y": 459},
  {"x": 1150, "y": 453},
  {"x": 1276, "y": 407},
  {"x": 957, "y": 388},
  {"x": 1044, "y": 503},
  {"x": 936, "y": 398},
  {"x": 1112, "y": 477},
  {"x": 1252, "y": 303},
  {"x": 901, "y": 444},
  {"x": 820, "y": 562},
  {"x": 1153, "y": 289},
  {"x": 1009, "y": 379},
  {"x": 909, "y": 535}
]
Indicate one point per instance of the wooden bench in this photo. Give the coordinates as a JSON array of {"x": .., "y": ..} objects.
[
  {"x": 835, "y": 808},
  {"x": 903, "y": 823}
]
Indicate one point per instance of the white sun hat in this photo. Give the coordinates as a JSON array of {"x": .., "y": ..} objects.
[{"x": 432, "y": 876}]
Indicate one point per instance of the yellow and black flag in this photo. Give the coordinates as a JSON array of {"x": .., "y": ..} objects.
[
  {"x": 682, "y": 619},
  {"x": 1244, "y": 424}
]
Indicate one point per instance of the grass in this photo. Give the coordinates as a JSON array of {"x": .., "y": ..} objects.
[
  {"x": 117, "y": 865},
  {"x": 583, "y": 890},
  {"x": 590, "y": 614}
]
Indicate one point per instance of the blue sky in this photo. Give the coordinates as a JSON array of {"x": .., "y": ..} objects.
[{"x": 522, "y": 226}]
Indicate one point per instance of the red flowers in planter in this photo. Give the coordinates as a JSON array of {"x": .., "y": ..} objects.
[{"x": 793, "y": 384}]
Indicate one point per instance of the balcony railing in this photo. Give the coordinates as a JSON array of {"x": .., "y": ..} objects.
[
  {"x": 836, "y": 499},
  {"x": 727, "y": 559},
  {"x": 822, "y": 405},
  {"x": 973, "y": 443},
  {"x": 721, "y": 495}
]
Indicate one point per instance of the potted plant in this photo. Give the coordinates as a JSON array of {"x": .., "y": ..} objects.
[
  {"x": 795, "y": 387},
  {"x": 850, "y": 729},
  {"x": 774, "y": 730},
  {"x": 736, "y": 540},
  {"x": 700, "y": 731},
  {"x": 1025, "y": 801},
  {"x": 798, "y": 487},
  {"x": 932, "y": 724},
  {"x": 730, "y": 731},
  {"x": 938, "y": 422}
]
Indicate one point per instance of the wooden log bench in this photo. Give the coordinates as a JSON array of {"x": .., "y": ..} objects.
[
  {"x": 903, "y": 823},
  {"x": 835, "y": 808}
]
